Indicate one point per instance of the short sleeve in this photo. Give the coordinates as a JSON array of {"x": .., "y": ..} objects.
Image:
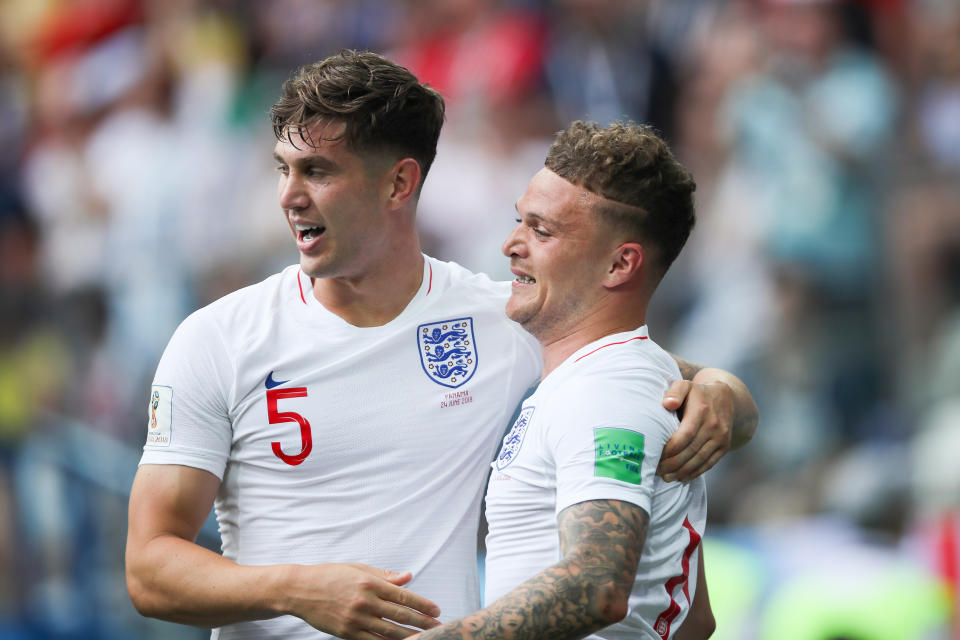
[
  {"x": 188, "y": 412},
  {"x": 606, "y": 442}
]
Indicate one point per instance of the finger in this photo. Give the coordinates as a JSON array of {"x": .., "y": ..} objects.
[
  {"x": 710, "y": 431},
  {"x": 680, "y": 439},
  {"x": 393, "y": 577},
  {"x": 402, "y": 615},
  {"x": 675, "y": 462},
  {"x": 387, "y": 629},
  {"x": 709, "y": 464},
  {"x": 397, "y": 578},
  {"x": 409, "y": 601},
  {"x": 706, "y": 426},
  {"x": 694, "y": 431},
  {"x": 698, "y": 464},
  {"x": 676, "y": 394},
  {"x": 714, "y": 459},
  {"x": 360, "y": 630}
]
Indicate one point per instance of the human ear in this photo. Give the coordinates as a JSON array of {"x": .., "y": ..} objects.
[
  {"x": 403, "y": 183},
  {"x": 626, "y": 265}
]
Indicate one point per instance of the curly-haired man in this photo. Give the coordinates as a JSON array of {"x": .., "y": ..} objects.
[{"x": 584, "y": 537}]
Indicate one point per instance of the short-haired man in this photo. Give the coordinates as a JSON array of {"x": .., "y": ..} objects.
[
  {"x": 346, "y": 409},
  {"x": 574, "y": 496}
]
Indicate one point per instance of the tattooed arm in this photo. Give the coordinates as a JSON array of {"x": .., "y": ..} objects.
[
  {"x": 718, "y": 414},
  {"x": 600, "y": 543}
]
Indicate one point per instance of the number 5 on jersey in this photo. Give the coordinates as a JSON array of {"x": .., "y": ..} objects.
[{"x": 276, "y": 417}]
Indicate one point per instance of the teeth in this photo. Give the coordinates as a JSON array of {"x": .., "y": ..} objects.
[
  {"x": 525, "y": 279},
  {"x": 308, "y": 232}
]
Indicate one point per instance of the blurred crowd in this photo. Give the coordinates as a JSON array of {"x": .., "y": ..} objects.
[{"x": 136, "y": 185}]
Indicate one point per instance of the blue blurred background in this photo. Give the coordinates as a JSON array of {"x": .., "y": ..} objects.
[{"x": 136, "y": 185}]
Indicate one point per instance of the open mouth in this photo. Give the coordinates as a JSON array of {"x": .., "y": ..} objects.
[
  {"x": 524, "y": 279},
  {"x": 307, "y": 233}
]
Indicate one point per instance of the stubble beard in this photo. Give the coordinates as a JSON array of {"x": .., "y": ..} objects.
[{"x": 553, "y": 323}]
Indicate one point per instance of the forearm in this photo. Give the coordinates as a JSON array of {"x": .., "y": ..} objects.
[
  {"x": 746, "y": 415},
  {"x": 177, "y": 580},
  {"x": 588, "y": 589},
  {"x": 563, "y": 601}
]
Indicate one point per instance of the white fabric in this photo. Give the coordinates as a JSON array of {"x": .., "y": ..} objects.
[
  {"x": 549, "y": 462},
  {"x": 395, "y": 476}
]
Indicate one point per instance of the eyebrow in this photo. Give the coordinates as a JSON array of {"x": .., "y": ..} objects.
[
  {"x": 550, "y": 221},
  {"x": 311, "y": 160}
]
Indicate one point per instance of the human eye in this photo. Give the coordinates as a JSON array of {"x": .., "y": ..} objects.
[
  {"x": 318, "y": 171},
  {"x": 535, "y": 225},
  {"x": 282, "y": 168}
]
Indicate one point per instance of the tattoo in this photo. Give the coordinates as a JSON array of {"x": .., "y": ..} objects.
[
  {"x": 687, "y": 368},
  {"x": 601, "y": 542}
]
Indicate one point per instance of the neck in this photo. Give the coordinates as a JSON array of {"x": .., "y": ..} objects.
[
  {"x": 603, "y": 321},
  {"x": 377, "y": 296}
]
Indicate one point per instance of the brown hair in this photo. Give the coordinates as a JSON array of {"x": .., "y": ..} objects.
[
  {"x": 384, "y": 106},
  {"x": 630, "y": 165}
]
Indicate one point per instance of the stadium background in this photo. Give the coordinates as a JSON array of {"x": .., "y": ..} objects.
[{"x": 136, "y": 185}]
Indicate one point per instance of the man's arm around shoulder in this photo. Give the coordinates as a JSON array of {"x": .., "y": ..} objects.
[{"x": 717, "y": 412}]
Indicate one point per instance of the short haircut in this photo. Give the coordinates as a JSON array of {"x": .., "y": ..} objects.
[
  {"x": 384, "y": 107},
  {"x": 629, "y": 164}
]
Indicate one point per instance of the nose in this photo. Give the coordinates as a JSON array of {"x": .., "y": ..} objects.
[
  {"x": 291, "y": 193},
  {"x": 514, "y": 245}
]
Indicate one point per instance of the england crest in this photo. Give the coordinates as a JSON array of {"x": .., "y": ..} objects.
[
  {"x": 514, "y": 438},
  {"x": 448, "y": 351}
]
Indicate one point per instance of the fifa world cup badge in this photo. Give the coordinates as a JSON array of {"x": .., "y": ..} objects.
[
  {"x": 154, "y": 403},
  {"x": 161, "y": 412}
]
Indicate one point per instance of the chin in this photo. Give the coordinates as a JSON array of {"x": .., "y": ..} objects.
[
  {"x": 519, "y": 315},
  {"x": 316, "y": 268}
]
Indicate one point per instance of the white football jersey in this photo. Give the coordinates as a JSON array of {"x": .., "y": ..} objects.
[
  {"x": 594, "y": 430},
  {"x": 336, "y": 443}
]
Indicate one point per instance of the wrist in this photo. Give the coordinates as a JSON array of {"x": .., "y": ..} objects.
[
  {"x": 711, "y": 376},
  {"x": 281, "y": 589}
]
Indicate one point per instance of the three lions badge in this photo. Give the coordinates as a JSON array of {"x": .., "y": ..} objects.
[{"x": 448, "y": 351}]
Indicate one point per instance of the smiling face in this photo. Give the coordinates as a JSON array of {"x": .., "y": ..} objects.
[
  {"x": 560, "y": 253},
  {"x": 331, "y": 198}
]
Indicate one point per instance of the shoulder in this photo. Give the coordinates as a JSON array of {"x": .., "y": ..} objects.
[
  {"x": 619, "y": 377},
  {"x": 630, "y": 358},
  {"x": 453, "y": 279},
  {"x": 277, "y": 288},
  {"x": 267, "y": 296},
  {"x": 242, "y": 312}
]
